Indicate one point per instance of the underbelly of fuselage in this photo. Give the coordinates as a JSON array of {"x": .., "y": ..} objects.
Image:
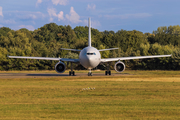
[{"x": 90, "y": 63}]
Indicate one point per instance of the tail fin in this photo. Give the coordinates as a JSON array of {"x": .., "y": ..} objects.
[{"x": 89, "y": 40}]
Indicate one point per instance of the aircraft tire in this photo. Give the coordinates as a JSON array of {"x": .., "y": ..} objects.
[{"x": 89, "y": 73}]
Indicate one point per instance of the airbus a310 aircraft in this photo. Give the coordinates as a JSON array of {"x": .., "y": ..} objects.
[{"x": 89, "y": 58}]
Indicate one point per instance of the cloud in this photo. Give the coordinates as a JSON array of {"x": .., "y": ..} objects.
[
  {"x": 128, "y": 16},
  {"x": 61, "y": 2},
  {"x": 73, "y": 16},
  {"x": 38, "y": 2},
  {"x": 9, "y": 21},
  {"x": 52, "y": 14},
  {"x": 1, "y": 13},
  {"x": 27, "y": 15},
  {"x": 96, "y": 24},
  {"x": 91, "y": 7},
  {"x": 29, "y": 27},
  {"x": 60, "y": 16}
]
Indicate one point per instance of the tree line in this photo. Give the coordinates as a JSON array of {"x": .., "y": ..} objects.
[{"x": 48, "y": 40}]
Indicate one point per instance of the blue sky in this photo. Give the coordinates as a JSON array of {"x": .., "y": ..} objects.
[{"x": 141, "y": 15}]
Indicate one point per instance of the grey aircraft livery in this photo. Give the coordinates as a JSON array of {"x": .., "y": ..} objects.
[{"x": 90, "y": 57}]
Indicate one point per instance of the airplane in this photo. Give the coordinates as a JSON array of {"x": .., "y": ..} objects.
[{"x": 90, "y": 57}]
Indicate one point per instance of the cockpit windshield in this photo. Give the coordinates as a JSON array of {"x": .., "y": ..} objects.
[{"x": 91, "y": 53}]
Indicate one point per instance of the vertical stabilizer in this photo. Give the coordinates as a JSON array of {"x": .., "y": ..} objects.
[{"x": 89, "y": 39}]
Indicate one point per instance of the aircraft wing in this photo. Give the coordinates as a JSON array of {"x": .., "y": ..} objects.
[
  {"x": 46, "y": 58},
  {"x": 131, "y": 58}
]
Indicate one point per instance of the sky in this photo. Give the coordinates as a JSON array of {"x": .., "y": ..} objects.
[{"x": 141, "y": 15}]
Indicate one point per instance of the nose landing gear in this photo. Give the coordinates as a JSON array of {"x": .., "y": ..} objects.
[{"x": 90, "y": 73}]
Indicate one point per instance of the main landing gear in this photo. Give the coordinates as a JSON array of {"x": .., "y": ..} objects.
[
  {"x": 108, "y": 72},
  {"x": 71, "y": 72}
]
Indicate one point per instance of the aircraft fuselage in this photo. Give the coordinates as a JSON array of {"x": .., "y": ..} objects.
[{"x": 89, "y": 57}]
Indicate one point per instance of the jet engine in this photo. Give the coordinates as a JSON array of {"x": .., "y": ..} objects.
[
  {"x": 60, "y": 67},
  {"x": 119, "y": 66}
]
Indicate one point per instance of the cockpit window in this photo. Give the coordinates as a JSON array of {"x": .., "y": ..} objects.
[{"x": 91, "y": 53}]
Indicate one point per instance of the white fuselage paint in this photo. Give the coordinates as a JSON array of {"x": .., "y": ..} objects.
[{"x": 89, "y": 57}]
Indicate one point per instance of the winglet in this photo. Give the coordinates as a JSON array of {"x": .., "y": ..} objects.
[{"x": 89, "y": 40}]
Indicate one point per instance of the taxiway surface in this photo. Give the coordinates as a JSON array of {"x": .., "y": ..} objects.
[{"x": 34, "y": 75}]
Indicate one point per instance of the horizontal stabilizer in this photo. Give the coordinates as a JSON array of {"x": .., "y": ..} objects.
[
  {"x": 71, "y": 49},
  {"x": 108, "y": 49}
]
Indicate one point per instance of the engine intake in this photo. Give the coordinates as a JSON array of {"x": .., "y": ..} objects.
[
  {"x": 60, "y": 67},
  {"x": 119, "y": 66}
]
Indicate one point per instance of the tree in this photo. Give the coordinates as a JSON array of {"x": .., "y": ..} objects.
[
  {"x": 48, "y": 40},
  {"x": 4, "y": 31}
]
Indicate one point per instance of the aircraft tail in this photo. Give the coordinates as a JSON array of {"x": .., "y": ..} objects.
[{"x": 89, "y": 39}]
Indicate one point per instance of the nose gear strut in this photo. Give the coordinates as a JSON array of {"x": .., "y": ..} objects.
[{"x": 90, "y": 73}]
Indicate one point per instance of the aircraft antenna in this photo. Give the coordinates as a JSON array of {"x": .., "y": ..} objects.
[{"x": 89, "y": 40}]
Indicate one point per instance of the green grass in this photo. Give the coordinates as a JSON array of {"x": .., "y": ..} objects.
[{"x": 140, "y": 95}]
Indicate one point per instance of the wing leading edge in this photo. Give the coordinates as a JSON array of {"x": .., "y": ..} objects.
[
  {"x": 46, "y": 58},
  {"x": 131, "y": 58}
]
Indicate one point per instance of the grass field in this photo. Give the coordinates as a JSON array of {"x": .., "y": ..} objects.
[{"x": 133, "y": 95}]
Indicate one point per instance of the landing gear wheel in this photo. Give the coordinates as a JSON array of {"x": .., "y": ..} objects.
[
  {"x": 89, "y": 73},
  {"x": 71, "y": 73},
  {"x": 107, "y": 72}
]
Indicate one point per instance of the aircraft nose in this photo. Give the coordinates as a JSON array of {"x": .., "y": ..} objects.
[
  {"x": 90, "y": 59},
  {"x": 92, "y": 62}
]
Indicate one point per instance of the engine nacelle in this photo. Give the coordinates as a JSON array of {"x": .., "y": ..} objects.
[
  {"x": 60, "y": 67},
  {"x": 119, "y": 66}
]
